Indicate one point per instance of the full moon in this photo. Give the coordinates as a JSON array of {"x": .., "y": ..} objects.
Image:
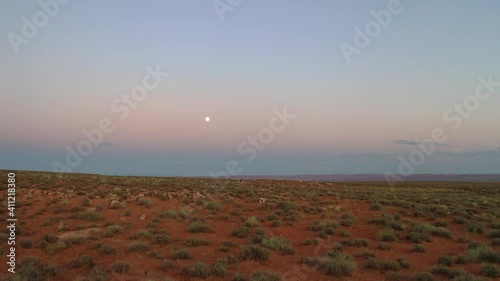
[{"x": 207, "y": 119}]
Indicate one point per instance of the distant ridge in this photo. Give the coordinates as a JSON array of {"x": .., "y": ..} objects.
[{"x": 381, "y": 177}]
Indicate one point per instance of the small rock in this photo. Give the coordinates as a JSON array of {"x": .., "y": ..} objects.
[{"x": 115, "y": 204}]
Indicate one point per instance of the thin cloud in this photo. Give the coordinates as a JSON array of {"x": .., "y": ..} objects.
[
  {"x": 492, "y": 153},
  {"x": 409, "y": 142}
]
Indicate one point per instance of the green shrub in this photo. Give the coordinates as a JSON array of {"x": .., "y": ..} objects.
[
  {"x": 219, "y": 268},
  {"x": 366, "y": 255},
  {"x": 347, "y": 219},
  {"x": 286, "y": 205},
  {"x": 114, "y": 229},
  {"x": 196, "y": 241},
  {"x": 241, "y": 232},
  {"x": 28, "y": 270},
  {"x": 166, "y": 264},
  {"x": 278, "y": 244},
  {"x": 50, "y": 270},
  {"x": 271, "y": 217},
  {"x": 265, "y": 276},
  {"x": 441, "y": 232},
  {"x": 423, "y": 276},
  {"x": 254, "y": 252},
  {"x": 461, "y": 260},
  {"x": 372, "y": 263},
  {"x": 199, "y": 227},
  {"x": 106, "y": 249},
  {"x": 182, "y": 255},
  {"x": 239, "y": 277},
  {"x": 355, "y": 243},
  {"x": 430, "y": 229},
  {"x": 310, "y": 241},
  {"x": 416, "y": 237},
  {"x": 338, "y": 264},
  {"x": 84, "y": 260},
  {"x": 276, "y": 223},
  {"x": 383, "y": 265},
  {"x": 322, "y": 225},
  {"x": 475, "y": 228},
  {"x": 198, "y": 270},
  {"x": 171, "y": 214},
  {"x": 50, "y": 238},
  {"x": 141, "y": 233},
  {"x": 465, "y": 276},
  {"x": 29, "y": 261},
  {"x": 404, "y": 262},
  {"x": 441, "y": 269},
  {"x": 417, "y": 248},
  {"x": 441, "y": 224},
  {"x": 389, "y": 265},
  {"x": 213, "y": 206},
  {"x": 445, "y": 260},
  {"x": 483, "y": 253},
  {"x": 459, "y": 220},
  {"x": 252, "y": 222},
  {"x": 138, "y": 247},
  {"x": 161, "y": 239},
  {"x": 345, "y": 233},
  {"x": 421, "y": 227},
  {"x": 89, "y": 216},
  {"x": 475, "y": 245},
  {"x": 26, "y": 243},
  {"x": 388, "y": 221},
  {"x": 386, "y": 235},
  {"x": 385, "y": 246},
  {"x": 490, "y": 270},
  {"x": 494, "y": 234},
  {"x": 156, "y": 255},
  {"x": 120, "y": 267},
  {"x": 184, "y": 213},
  {"x": 144, "y": 202}
]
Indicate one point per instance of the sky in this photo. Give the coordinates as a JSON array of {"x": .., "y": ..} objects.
[{"x": 291, "y": 87}]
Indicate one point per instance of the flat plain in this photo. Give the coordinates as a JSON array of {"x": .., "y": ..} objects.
[{"x": 93, "y": 227}]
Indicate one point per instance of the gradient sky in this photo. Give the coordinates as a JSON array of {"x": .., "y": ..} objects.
[{"x": 356, "y": 117}]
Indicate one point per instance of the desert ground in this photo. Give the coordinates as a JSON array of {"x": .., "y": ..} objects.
[{"x": 93, "y": 227}]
